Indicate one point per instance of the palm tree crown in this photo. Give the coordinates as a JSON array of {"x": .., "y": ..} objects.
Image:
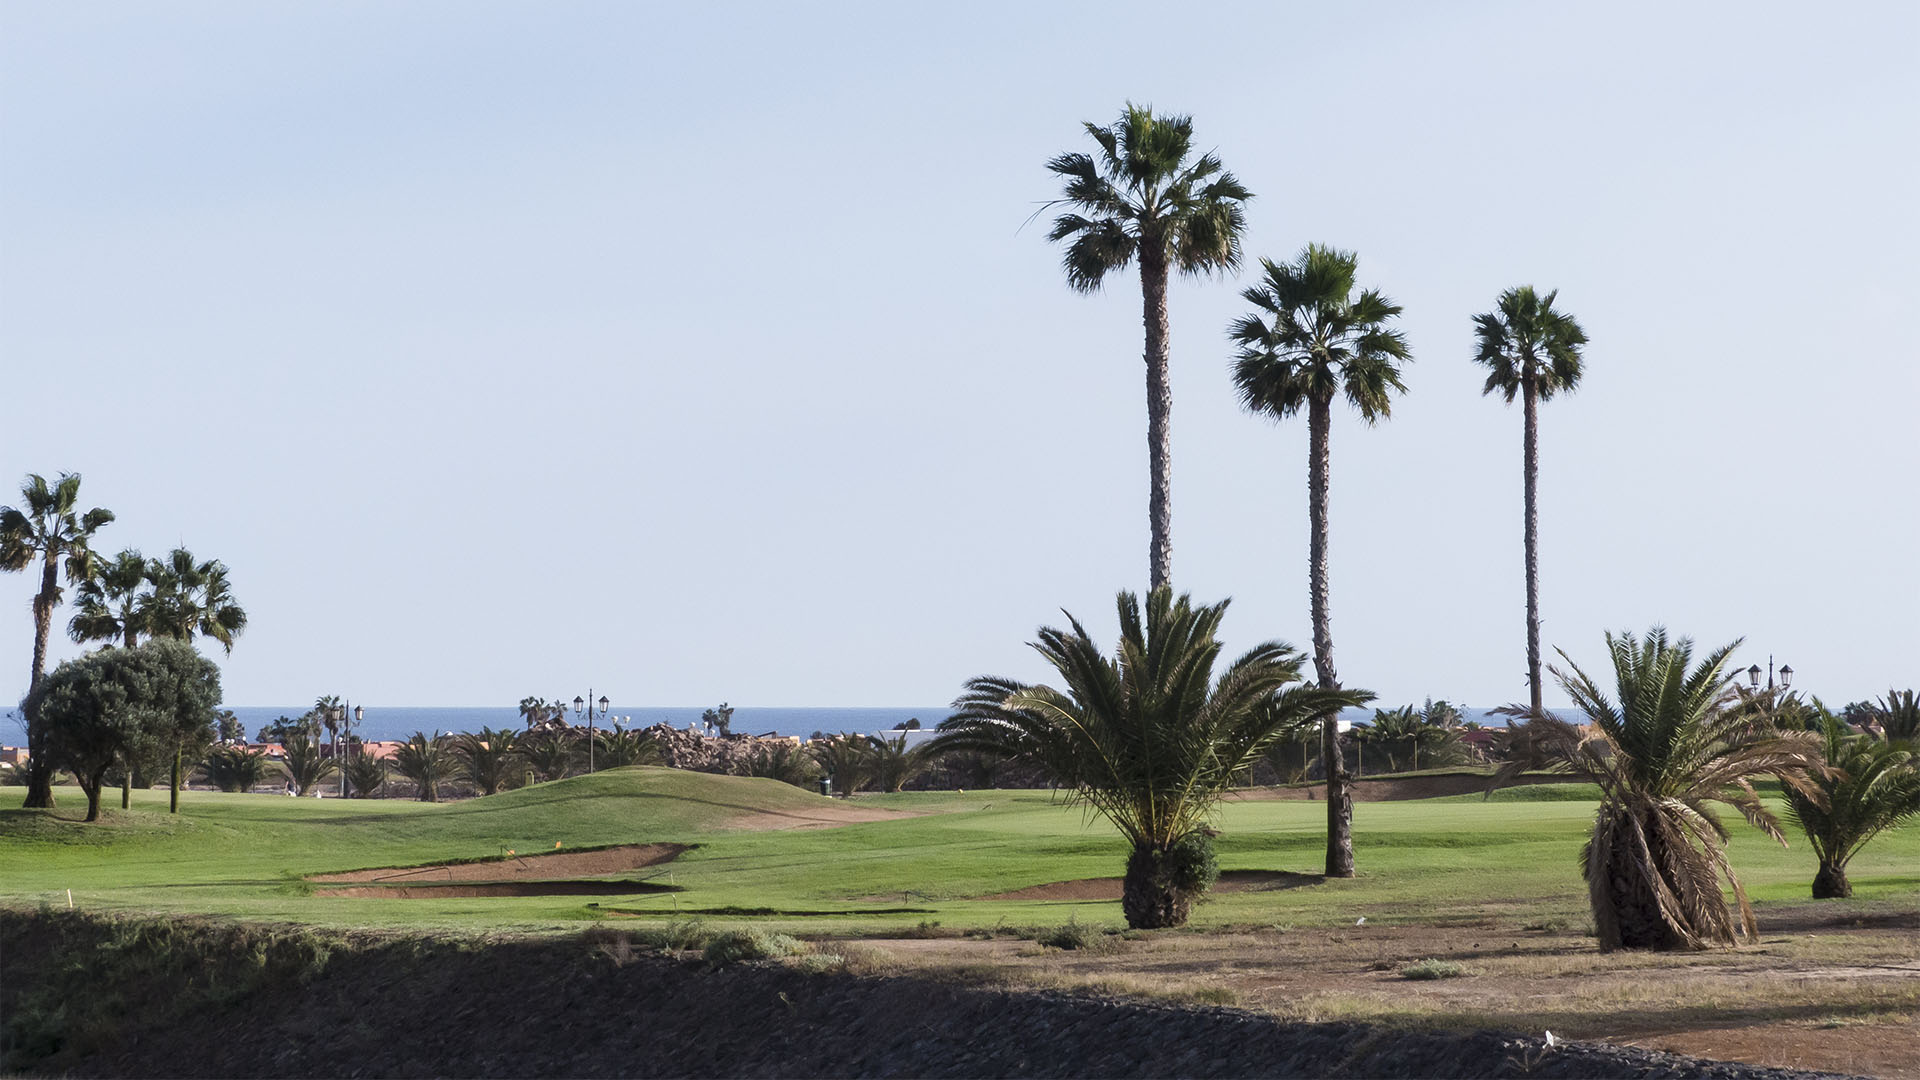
[
  {"x": 1869, "y": 786},
  {"x": 1140, "y": 198},
  {"x": 192, "y": 597},
  {"x": 108, "y": 604},
  {"x": 1149, "y": 738},
  {"x": 1528, "y": 343},
  {"x": 1313, "y": 340},
  {"x": 1669, "y": 746}
]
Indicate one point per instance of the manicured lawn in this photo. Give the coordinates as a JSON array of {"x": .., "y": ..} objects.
[{"x": 246, "y": 856}]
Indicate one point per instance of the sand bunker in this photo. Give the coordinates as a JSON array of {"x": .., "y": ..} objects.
[
  {"x": 1109, "y": 888},
  {"x": 541, "y": 868}
]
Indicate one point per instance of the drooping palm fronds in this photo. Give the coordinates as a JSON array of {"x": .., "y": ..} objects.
[
  {"x": 487, "y": 757},
  {"x": 551, "y": 752},
  {"x": 1868, "y": 787},
  {"x": 619, "y": 745},
  {"x": 107, "y": 604},
  {"x": 784, "y": 761},
  {"x": 847, "y": 760},
  {"x": 426, "y": 762},
  {"x": 234, "y": 768},
  {"x": 366, "y": 775},
  {"x": 190, "y": 597},
  {"x": 1148, "y": 739},
  {"x": 1898, "y": 715},
  {"x": 305, "y": 764},
  {"x": 1664, "y": 747}
]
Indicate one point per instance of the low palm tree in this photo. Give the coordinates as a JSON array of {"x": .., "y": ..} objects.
[
  {"x": 1868, "y": 787},
  {"x": 1668, "y": 747},
  {"x": 620, "y": 745},
  {"x": 783, "y": 761},
  {"x": 1144, "y": 196},
  {"x": 488, "y": 757},
  {"x": 234, "y": 768},
  {"x": 1309, "y": 341},
  {"x": 847, "y": 760},
  {"x": 894, "y": 764},
  {"x": 108, "y": 605},
  {"x": 1898, "y": 715},
  {"x": 1400, "y": 734},
  {"x": 305, "y": 762},
  {"x": 551, "y": 753},
  {"x": 366, "y": 775},
  {"x": 1531, "y": 352},
  {"x": 426, "y": 762},
  {"x": 1149, "y": 738},
  {"x": 48, "y": 526}
]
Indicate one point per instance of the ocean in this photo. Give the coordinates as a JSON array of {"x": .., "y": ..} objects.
[{"x": 383, "y": 723}]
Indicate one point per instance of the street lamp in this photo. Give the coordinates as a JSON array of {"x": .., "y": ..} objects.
[
  {"x": 338, "y": 714},
  {"x": 1786, "y": 675},
  {"x": 586, "y": 704}
]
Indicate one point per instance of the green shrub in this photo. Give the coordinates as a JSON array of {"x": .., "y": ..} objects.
[
  {"x": 735, "y": 946},
  {"x": 1071, "y": 934},
  {"x": 1432, "y": 969}
]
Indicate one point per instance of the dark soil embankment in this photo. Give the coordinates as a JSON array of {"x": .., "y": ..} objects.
[{"x": 89, "y": 996}]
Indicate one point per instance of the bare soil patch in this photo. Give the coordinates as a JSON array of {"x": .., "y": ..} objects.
[
  {"x": 534, "y": 867},
  {"x": 1109, "y": 888},
  {"x": 585, "y": 887}
]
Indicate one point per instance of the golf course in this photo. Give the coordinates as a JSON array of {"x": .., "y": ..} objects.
[{"x": 1020, "y": 889}]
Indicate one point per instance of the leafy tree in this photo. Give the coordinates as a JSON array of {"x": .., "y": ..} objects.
[
  {"x": 540, "y": 715},
  {"x": 187, "y": 687},
  {"x": 1867, "y": 787},
  {"x": 488, "y": 757},
  {"x": 1671, "y": 745},
  {"x": 1531, "y": 352},
  {"x": 1442, "y": 714},
  {"x": 426, "y": 762},
  {"x": 48, "y": 526},
  {"x": 1148, "y": 739},
  {"x": 95, "y": 713},
  {"x": 234, "y": 768},
  {"x": 306, "y": 765},
  {"x": 720, "y": 719},
  {"x": 108, "y": 603},
  {"x": 366, "y": 774},
  {"x": 551, "y": 753},
  {"x": 1311, "y": 340},
  {"x": 847, "y": 760},
  {"x": 619, "y": 745},
  {"x": 285, "y": 727},
  {"x": 1142, "y": 198}
]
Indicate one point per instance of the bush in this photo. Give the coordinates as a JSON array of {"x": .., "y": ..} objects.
[
  {"x": 735, "y": 946},
  {"x": 1190, "y": 864},
  {"x": 1071, "y": 934},
  {"x": 1432, "y": 969}
]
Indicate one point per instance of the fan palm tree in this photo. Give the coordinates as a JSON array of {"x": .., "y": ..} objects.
[
  {"x": 1668, "y": 747},
  {"x": 1869, "y": 786},
  {"x": 108, "y": 606},
  {"x": 1142, "y": 198},
  {"x": 1149, "y": 739},
  {"x": 487, "y": 757},
  {"x": 1531, "y": 352},
  {"x": 48, "y": 525},
  {"x": 424, "y": 761},
  {"x": 191, "y": 597},
  {"x": 1312, "y": 340}
]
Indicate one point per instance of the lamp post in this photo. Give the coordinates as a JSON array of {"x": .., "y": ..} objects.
[
  {"x": 1786, "y": 675},
  {"x": 338, "y": 714},
  {"x": 586, "y": 704}
]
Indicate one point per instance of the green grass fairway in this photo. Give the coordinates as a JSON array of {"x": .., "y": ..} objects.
[{"x": 246, "y": 856}]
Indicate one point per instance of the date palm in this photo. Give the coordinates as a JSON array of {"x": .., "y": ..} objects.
[
  {"x": 1149, "y": 738},
  {"x": 108, "y": 604},
  {"x": 306, "y": 764},
  {"x": 487, "y": 757},
  {"x": 847, "y": 759},
  {"x": 621, "y": 745},
  {"x": 1311, "y": 340},
  {"x": 1898, "y": 715},
  {"x": 1671, "y": 744},
  {"x": 552, "y": 752},
  {"x": 366, "y": 774},
  {"x": 49, "y": 526},
  {"x": 424, "y": 761},
  {"x": 1531, "y": 352},
  {"x": 1869, "y": 787},
  {"x": 234, "y": 768},
  {"x": 1143, "y": 196}
]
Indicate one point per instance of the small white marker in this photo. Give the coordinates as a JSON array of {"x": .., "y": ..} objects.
[
  {"x": 1361, "y": 921},
  {"x": 1551, "y": 1041},
  {"x": 69, "y": 899}
]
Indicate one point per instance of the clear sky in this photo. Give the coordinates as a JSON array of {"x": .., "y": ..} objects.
[{"x": 698, "y": 352}]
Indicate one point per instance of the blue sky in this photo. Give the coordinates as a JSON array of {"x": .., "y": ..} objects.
[{"x": 700, "y": 353}]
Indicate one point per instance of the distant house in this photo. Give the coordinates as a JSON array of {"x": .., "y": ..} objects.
[{"x": 13, "y": 755}]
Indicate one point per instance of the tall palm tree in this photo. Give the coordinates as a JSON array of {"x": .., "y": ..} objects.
[
  {"x": 1149, "y": 739},
  {"x": 1531, "y": 352},
  {"x": 1141, "y": 198},
  {"x": 1311, "y": 340},
  {"x": 48, "y": 525},
  {"x": 1671, "y": 744},
  {"x": 108, "y": 604},
  {"x": 1869, "y": 786},
  {"x": 191, "y": 597}
]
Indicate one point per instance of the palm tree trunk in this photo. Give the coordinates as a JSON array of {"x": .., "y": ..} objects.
[
  {"x": 1148, "y": 899},
  {"x": 1153, "y": 290},
  {"x": 1339, "y": 784},
  {"x": 1531, "y": 468},
  {"x": 1831, "y": 882},
  {"x": 39, "y": 766}
]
